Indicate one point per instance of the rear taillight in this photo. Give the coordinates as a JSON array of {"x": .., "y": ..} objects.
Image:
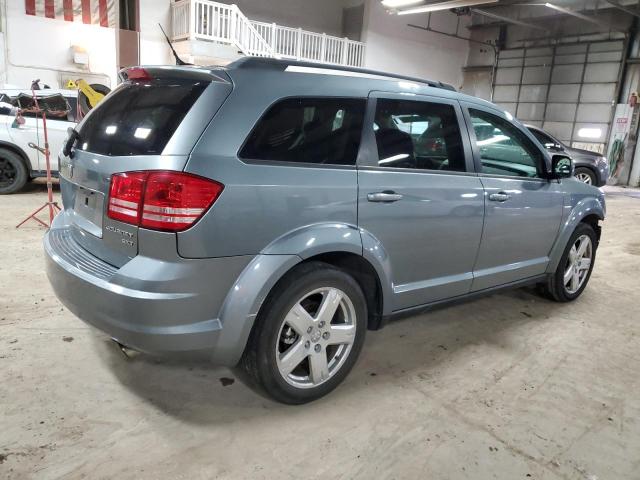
[{"x": 160, "y": 200}]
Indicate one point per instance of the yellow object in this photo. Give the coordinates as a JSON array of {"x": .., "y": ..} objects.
[{"x": 93, "y": 97}]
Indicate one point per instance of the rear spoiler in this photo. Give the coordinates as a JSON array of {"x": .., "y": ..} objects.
[{"x": 203, "y": 74}]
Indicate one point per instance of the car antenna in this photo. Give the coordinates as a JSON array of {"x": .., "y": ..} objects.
[{"x": 179, "y": 61}]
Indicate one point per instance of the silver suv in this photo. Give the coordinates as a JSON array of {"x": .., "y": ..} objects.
[{"x": 266, "y": 214}]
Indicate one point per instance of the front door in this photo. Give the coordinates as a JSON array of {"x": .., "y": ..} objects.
[
  {"x": 22, "y": 134},
  {"x": 419, "y": 197},
  {"x": 523, "y": 209}
]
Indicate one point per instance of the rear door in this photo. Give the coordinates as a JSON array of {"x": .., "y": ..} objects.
[
  {"x": 419, "y": 196},
  {"x": 147, "y": 123},
  {"x": 523, "y": 209}
]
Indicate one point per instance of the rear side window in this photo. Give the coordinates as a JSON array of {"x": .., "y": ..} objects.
[
  {"x": 138, "y": 118},
  {"x": 308, "y": 130},
  {"x": 418, "y": 134}
]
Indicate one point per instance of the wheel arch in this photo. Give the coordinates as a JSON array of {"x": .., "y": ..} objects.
[
  {"x": 345, "y": 246},
  {"x": 589, "y": 210},
  {"x": 365, "y": 274},
  {"x": 332, "y": 246},
  {"x": 18, "y": 151},
  {"x": 591, "y": 169}
]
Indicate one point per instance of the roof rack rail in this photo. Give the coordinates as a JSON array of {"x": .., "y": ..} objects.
[{"x": 283, "y": 65}]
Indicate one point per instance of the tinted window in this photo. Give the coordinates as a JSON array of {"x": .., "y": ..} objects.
[
  {"x": 308, "y": 130},
  {"x": 416, "y": 134},
  {"x": 504, "y": 149},
  {"x": 137, "y": 118}
]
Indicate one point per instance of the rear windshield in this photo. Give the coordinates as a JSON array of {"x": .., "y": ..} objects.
[{"x": 138, "y": 118}]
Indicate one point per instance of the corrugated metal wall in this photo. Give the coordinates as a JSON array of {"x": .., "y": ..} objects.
[{"x": 567, "y": 89}]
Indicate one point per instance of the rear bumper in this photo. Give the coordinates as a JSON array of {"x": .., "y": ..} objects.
[{"x": 155, "y": 305}]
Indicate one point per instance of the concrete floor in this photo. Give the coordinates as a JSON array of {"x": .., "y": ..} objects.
[{"x": 509, "y": 387}]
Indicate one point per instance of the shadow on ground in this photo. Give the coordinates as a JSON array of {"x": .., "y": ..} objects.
[{"x": 199, "y": 393}]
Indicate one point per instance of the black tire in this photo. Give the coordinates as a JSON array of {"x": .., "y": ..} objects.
[
  {"x": 13, "y": 172},
  {"x": 555, "y": 288},
  {"x": 586, "y": 171},
  {"x": 258, "y": 366}
]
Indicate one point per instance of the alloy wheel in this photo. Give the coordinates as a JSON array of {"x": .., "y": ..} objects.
[
  {"x": 578, "y": 264},
  {"x": 316, "y": 337},
  {"x": 584, "y": 178}
]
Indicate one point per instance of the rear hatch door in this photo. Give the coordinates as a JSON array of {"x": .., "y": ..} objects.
[{"x": 150, "y": 122}]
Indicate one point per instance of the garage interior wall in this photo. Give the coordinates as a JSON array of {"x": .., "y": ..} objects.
[
  {"x": 45, "y": 55},
  {"x": 568, "y": 90},
  {"x": 565, "y": 78},
  {"x": 392, "y": 45}
]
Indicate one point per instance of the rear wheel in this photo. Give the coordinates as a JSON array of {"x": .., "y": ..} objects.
[
  {"x": 308, "y": 335},
  {"x": 585, "y": 175},
  {"x": 574, "y": 270},
  {"x": 13, "y": 172}
]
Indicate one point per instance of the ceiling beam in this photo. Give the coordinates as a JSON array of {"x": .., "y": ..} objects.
[
  {"x": 573, "y": 13},
  {"x": 507, "y": 19},
  {"x": 630, "y": 11},
  {"x": 438, "y": 6}
]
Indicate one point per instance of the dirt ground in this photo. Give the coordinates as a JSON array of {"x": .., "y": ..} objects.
[{"x": 510, "y": 386}]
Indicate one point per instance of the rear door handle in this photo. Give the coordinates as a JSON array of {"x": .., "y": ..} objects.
[
  {"x": 384, "y": 197},
  {"x": 499, "y": 197}
]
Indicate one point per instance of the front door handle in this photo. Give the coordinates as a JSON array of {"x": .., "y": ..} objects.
[
  {"x": 386, "y": 197},
  {"x": 499, "y": 197}
]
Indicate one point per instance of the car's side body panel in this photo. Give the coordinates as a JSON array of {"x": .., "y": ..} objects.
[
  {"x": 431, "y": 235},
  {"x": 580, "y": 202}
]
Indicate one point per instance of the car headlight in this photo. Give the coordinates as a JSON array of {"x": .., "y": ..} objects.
[{"x": 603, "y": 160}]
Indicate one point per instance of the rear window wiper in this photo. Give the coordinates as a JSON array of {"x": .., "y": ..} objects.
[{"x": 73, "y": 137}]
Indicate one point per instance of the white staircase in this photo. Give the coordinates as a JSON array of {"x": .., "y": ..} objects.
[{"x": 207, "y": 32}]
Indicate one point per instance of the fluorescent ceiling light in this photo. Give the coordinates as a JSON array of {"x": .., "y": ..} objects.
[
  {"x": 434, "y": 7},
  {"x": 590, "y": 133},
  {"x": 399, "y": 3}
]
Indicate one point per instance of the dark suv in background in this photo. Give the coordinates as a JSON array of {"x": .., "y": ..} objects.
[{"x": 590, "y": 167}]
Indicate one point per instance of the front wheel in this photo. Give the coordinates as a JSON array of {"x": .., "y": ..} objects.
[
  {"x": 13, "y": 172},
  {"x": 585, "y": 175},
  {"x": 575, "y": 267},
  {"x": 307, "y": 336}
]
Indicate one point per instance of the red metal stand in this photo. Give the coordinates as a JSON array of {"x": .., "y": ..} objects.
[{"x": 53, "y": 206}]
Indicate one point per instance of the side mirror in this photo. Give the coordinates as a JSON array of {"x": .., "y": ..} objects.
[{"x": 561, "y": 166}]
